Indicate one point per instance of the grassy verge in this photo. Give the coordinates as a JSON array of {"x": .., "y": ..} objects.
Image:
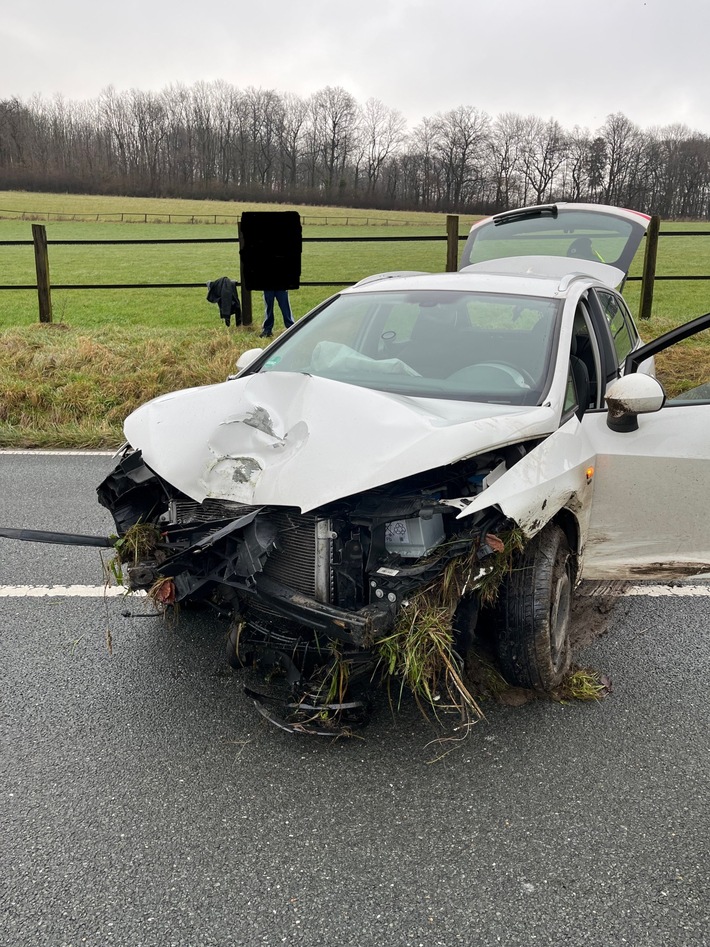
[{"x": 72, "y": 387}]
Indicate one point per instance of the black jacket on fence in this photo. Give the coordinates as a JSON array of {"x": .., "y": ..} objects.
[{"x": 224, "y": 292}]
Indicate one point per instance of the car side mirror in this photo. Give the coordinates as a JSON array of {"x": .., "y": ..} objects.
[
  {"x": 630, "y": 396},
  {"x": 246, "y": 358}
]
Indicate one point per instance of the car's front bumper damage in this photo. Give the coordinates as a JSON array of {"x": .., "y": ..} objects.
[{"x": 307, "y": 594}]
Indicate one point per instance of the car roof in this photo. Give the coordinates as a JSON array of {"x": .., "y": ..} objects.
[{"x": 517, "y": 283}]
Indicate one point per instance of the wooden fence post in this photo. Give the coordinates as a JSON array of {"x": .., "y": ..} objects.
[
  {"x": 44, "y": 295},
  {"x": 246, "y": 292},
  {"x": 649, "y": 267},
  {"x": 452, "y": 243}
]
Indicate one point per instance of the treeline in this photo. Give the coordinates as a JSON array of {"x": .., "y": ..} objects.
[{"x": 213, "y": 140}]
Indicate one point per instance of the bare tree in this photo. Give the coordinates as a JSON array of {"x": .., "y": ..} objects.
[
  {"x": 291, "y": 134},
  {"x": 575, "y": 178},
  {"x": 264, "y": 111},
  {"x": 421, "y": 175},
  {"x": 148, "y": 116},
  {"x": 596, "y": 167},
  {"x": 383, "y": 131},
  {"x": 213, "y": 138},
  {"x": 13, "y": 115},
  {"x": 544, "y": 151},
  {"x": 460, "y": 136},
  {"x": 621, "y": 138},
  {"x": 505, "y": 150},
  {"x": 684, "y": 157},
  {"x": 334, "y": 124},
  {"x": 116, "y": 119}
]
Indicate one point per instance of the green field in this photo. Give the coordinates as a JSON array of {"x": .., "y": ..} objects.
[
  {"x": 188, "y": 263},
  {"x": 71, "y": 383},
  {"x": 181, "y": 263}
]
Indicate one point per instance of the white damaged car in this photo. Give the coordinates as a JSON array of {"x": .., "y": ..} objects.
[{"x": 417, "y": 420}]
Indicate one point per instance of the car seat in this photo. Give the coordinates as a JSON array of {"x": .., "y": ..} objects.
[{"x": 431, "y": 348}]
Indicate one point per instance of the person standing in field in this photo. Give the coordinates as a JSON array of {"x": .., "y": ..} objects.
[{"x": 270, "y": 297}]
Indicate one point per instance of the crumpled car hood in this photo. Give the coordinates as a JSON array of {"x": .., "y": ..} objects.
[{"x": 298, "y": 440}]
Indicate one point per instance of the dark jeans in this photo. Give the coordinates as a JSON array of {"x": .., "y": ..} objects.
[{"x": 281, "y": 297}]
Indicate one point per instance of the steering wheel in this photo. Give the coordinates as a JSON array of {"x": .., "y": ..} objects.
[{"x": 521, "y": 378}]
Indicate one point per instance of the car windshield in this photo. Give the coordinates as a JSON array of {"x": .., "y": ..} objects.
[{"x": 427, "y": 343}]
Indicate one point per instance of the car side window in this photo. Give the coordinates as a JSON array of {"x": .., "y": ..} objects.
[
  {"x": 623, "y": 331},
  {"x": 684, "y": 370},
  {"x": 571, "y": 401},
  {"x": 584, "y": 349}
]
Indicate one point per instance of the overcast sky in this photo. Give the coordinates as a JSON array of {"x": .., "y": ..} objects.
[{"x": 566, "y": 59}]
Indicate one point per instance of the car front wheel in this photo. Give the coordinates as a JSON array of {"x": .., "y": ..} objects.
[{"x": 533, "y": 640}]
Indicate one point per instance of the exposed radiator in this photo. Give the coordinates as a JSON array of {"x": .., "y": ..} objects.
[
  {"x": 188, "y": 511},
  {"x": 302, "y": 558}
]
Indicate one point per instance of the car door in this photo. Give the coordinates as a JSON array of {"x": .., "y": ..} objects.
[{"x": 650, "y": 515}]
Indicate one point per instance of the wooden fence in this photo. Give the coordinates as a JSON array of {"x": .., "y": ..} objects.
[
  {"x": 156, "y": 217},
  {"x": 44, "y": 287},
  {"x": 452, "y": 239}
]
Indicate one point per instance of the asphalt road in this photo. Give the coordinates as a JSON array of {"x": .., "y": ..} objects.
[{"x": 144, "y": 803}]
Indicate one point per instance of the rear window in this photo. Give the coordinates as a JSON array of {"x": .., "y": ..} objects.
[{"x": 583, "y": 234}]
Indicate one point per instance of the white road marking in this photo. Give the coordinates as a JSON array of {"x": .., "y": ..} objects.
[
  {"x": 115, "y": 591},
  {"x": 659, "y": 590},
  {"x": 60, "y": 453},
  {"x": 63, "y": 591}
]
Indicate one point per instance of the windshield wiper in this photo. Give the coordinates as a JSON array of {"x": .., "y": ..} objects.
[{"x": 525, "y": 213}]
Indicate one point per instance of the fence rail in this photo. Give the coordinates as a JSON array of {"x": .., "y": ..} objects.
[
  {"x": 134, "y": 217},
  {"x": 44, "y": 290}
]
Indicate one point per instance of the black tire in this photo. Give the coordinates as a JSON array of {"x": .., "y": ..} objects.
[
  {"x": 464, "y": 624},
  {"x": 533, "y": 642}
]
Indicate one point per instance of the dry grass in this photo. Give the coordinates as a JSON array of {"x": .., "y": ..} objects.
[
  {"x": 137, "y": 543},
  {"x": 62, "y": 387},
  {"x": 684, "y": 366},
  {"x": 421, "y": 654},
  {"x": 421, "y": 651},
  {"x": 507, "y": 545},
  {"x": 583, "y": 684}
]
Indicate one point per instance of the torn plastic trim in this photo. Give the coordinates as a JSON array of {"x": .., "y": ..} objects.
[
  {"x": 353, "y": 627},
  {"x": 132, "y": 492},
  {"x": 229, "y": 556}
]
